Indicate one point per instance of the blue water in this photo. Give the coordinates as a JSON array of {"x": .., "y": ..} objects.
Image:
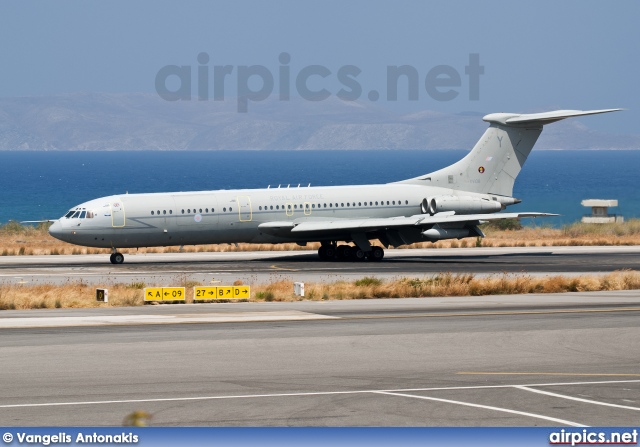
[{"x": 43, "y": 185}]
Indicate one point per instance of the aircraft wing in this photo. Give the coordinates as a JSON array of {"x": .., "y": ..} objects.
[
  {"x": 420, "y": 220},
  {"x": 38, "y": 221}
]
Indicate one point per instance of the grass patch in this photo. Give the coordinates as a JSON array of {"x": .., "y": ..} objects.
[
  {"x": 440, "y": 285},
  {"x": 368, "y": 281}
]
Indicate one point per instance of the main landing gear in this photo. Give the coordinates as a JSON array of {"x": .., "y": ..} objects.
[
  {"x": 116, "y": 258},
  {"x": 332, "y": 252}
]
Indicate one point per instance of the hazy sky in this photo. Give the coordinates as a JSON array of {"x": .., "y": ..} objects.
[{"x": 536, "y": 55}]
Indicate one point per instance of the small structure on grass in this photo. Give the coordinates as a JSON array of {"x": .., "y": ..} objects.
[{"x": 600, "y": 211}]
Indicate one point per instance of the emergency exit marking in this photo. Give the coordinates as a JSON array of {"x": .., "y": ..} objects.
[{"x": 164, "y": 294}]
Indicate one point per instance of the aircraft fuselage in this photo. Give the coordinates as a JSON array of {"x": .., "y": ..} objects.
[{"x": 229, "y": 216}]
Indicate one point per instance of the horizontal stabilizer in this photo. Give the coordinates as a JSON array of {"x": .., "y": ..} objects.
[{"x": 540, "y": 118}]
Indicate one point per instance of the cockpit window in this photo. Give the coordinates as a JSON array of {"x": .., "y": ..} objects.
[
  {"x": 82, "y": 214},
  {"x": 76, "y": 214},
  {"x": 89, "y": 214},
  {"x": 69, "y": 214}
]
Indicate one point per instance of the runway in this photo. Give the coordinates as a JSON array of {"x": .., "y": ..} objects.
[
  {"x": 562, "y": 360},
  {"x": 265, "y": 267}
]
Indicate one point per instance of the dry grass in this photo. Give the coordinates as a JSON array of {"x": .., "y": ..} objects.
[
  {"x": 448, "y": 284},
  {"x": 444, "y": 284},
  {"x": 18, "y": 240}
]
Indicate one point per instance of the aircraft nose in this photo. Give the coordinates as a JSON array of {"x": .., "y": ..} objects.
[{"x": 55, "y": 230}]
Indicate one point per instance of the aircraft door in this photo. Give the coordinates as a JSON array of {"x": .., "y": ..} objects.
[
  {"x": 244, "y": 209},
  {"x": 307, "y": 208},
  {"x": 117, "y": 214}
]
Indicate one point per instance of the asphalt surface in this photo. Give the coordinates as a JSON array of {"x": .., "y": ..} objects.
[
  {"x": 569, "y": 359},
  {"x": 265, "y": 267}
]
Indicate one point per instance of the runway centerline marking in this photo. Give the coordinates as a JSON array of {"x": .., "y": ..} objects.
[
  {"x": 486, "y": 407},
  {"x": 302, "y": 394},
  {"x": 564, "y": 396}
]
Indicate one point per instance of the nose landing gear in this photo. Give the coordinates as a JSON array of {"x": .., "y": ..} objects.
[{"x": 116, "y": 258}]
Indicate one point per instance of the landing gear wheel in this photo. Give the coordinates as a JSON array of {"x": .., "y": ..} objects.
[
  {"x": 344, "y": 252},
  {"x": 330, "y": 252},
  {"x": 358, "y": 255},
  {"x": 117, "y": 258},
  {"x": 376, "y": 254},
  {"x": 322, "y": 252}
]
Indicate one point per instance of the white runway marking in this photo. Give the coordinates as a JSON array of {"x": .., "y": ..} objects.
[
  {"x": 486, "y": 407},
  {"x": 564, "y": 396},
  {"x": 123, "y": 320},
  {"x": 303, "y": 394}
]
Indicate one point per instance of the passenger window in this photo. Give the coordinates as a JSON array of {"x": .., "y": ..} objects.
[
  {"x": 376, "y": 203},
  {"x": 201, "y": 210},
  {"x": 206, "y": 210},
  {"x": 164, "y": 211},
  {"x": 170, "y": 211},
  {"x": 152, "y": 213},
  {"x": 230, "y": 209},
  {"x": 158, "y": 212},
  {"x": 406, "y": 202},
  {"x": 224, "y": 209},
  {"x": 182, "y": 211},
  {"x": 189, "y": 211},
  {"x": 271, "y": 207},
  {"x": 82, "y": 214},
  {"x": 342, "y": 205}
]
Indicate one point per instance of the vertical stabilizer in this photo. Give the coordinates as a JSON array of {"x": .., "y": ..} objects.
[{"x": 497, "y": 158}]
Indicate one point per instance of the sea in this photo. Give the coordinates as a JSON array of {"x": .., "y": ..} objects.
[{"x": 44, "y": 185}]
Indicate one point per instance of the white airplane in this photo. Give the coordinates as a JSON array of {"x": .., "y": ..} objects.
[{"x": 447, "y": 204}]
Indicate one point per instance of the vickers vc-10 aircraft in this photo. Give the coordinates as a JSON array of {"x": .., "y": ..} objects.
[{"x": 449, "y": 203}]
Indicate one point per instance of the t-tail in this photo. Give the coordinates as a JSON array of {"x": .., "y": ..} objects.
[{"x": 497, "y": 158}]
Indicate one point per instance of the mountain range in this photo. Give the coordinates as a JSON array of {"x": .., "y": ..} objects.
[{"x": 137, "y": 121}]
